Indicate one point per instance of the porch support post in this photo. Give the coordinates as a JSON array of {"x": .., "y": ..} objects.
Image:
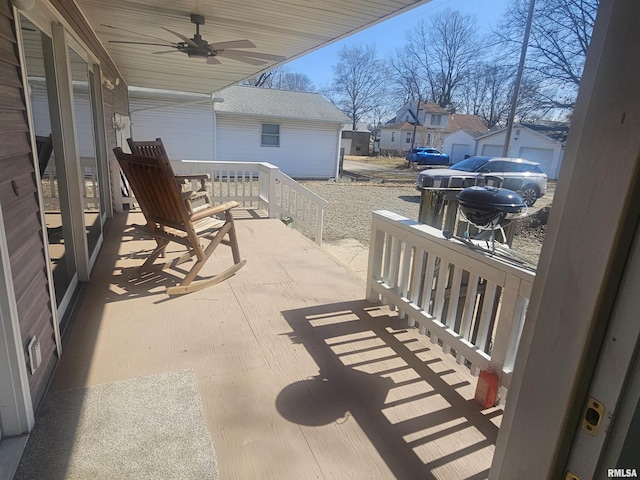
[{"x": 590, "y": 230}]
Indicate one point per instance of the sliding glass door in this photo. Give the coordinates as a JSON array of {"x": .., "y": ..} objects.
[{"x": 38, "y": 52}]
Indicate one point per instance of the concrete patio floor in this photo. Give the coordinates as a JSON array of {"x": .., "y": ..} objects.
[{"x": 298, "y": 375}]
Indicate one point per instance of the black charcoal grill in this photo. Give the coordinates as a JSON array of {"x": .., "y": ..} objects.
[{"x": 488, "y": 207}]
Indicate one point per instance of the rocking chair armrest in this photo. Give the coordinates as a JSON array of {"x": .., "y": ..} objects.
[
  {"x": 203, "y": 178},
  {"x": 195, "y": 176},
  {"x": 207, "y": 212}
]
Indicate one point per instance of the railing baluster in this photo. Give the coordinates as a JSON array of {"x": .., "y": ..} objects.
[
  {"x": 482, "y": 332},
  {"x": 406, "y": 271},
  {"x": 427, "y": 286}
]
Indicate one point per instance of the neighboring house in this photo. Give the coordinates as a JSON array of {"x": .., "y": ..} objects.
[
  {"x": 539, "y": 143},
  {"x": 463, "y": 132},
  {"x": 357, "y": 142},
  {"x": 397, "y": 135},
  {"x": 298, "y": 132}
]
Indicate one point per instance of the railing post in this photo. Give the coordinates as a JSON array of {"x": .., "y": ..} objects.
[
  {"x": 272, "y": 190},
  {"x": 374, "y": 268},
  {"x": 319, "y": 224},
  {"x": 508, "y": 312}
]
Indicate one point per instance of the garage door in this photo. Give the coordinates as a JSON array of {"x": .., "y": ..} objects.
[
  {"x": 458, "y": 151},
  {"x": 492, "y": 150},
  {"x": 544, "y": 156}
]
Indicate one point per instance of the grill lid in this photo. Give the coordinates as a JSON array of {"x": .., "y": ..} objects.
[{"x": 491, "y": 198}]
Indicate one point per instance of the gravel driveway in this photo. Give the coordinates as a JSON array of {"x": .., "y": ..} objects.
[{"x": 348, "y": 213}]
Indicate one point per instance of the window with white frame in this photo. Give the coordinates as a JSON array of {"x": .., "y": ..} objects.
[
  {"x": 270, "y": 135},
  {"x": 408, "y": 140},
  {"x": 393, "y": 137},
  {"x": 436, "y": 119}
]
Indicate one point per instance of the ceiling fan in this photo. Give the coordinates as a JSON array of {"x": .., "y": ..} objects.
[{"x": 197, "y": 47}]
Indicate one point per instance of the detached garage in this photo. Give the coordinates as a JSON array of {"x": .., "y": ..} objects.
[
  {"x": 538, "y": 143},
  {"x": 298, "y": 132}
]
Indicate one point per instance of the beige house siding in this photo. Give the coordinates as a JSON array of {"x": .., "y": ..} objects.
[{"x": 21, "y": 211}]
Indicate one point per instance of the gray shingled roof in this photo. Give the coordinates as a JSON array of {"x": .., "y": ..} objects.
[
  {"x": 264, "y": 102},
  {"x": 278, "y": 103}
]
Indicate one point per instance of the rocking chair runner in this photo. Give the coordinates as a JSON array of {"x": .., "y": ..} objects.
[{"x": 171, "y": 217}]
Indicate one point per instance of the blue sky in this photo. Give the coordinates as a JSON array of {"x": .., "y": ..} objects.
[{"x": 390, "y": 35}]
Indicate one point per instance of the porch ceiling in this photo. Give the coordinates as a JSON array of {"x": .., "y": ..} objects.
[{"x": 290, "y": 28}]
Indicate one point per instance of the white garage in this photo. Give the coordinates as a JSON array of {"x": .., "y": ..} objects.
[{"x": 543, "y": 144}]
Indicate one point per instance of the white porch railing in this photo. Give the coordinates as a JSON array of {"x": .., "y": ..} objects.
[
  {"x": 253, "y": 185},
  {"x": 471, "y": 302}
]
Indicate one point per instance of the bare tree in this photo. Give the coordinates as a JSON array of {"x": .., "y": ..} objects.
[
  {"x": 487, "y": 93},
  {"x": 444, "y": 52},
  {"x": 560, "y": 37},
  {"x": 358, "y": 84},
  {"x": 298, "y": 82},
  {"x": 282, "y": 79}
]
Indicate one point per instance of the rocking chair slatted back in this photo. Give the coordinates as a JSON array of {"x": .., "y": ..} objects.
[
  {"x": 152, "y": 148},
  {"x": 154, "y": 186}
]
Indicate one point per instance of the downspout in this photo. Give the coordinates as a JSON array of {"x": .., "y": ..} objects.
[
  {"x": 215, "y": 127},
  {"x": 337, "y": 169}
]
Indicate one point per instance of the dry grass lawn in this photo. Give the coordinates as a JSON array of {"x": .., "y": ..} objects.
[{"x": 380, "y": 160}]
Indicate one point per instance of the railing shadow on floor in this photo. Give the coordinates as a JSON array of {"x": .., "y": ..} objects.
[{"x": 409, "y": 399}]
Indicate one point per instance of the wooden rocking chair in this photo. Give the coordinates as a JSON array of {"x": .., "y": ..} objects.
[{"x": 172, "y": 217}]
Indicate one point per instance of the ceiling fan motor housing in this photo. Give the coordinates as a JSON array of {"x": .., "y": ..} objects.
[{"x": 197, "y": 19}]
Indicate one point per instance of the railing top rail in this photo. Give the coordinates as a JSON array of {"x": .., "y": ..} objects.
[
  {"x": 223, "y": 162},
  {"x": 433, "y": 235},
  {"x": 307, "y": 193}
]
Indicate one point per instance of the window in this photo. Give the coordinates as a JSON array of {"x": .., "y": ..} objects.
[
  {"x": 270, "y": 135},
  {"x": 428, "y": 139},
  {"x": 393, "y": 137},
  {"x": 408, "y": 140},
  {"x": 436, "y": 119}
]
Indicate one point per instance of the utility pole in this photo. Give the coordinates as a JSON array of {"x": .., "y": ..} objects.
[
  {"x": 415, "y": 123},
  {"x": 516, "y": 87}
]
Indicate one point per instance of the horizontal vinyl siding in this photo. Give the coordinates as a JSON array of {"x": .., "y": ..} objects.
[
  {"x": 186, "y": 131},
  {"x": 20, "y": 208},
  {"x": 307, "y": 149}
]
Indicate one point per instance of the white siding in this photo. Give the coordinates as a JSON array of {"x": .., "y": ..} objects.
[
  {"x": 307, "y": 149},
  {"x": 186, "y": 131}
]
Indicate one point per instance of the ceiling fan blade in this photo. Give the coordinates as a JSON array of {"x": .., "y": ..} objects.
[
  {"x": 183, "y": 37},
  {"x": 134, "y": 33},
  {"x": 231, "y": 44},
  {"x": 261, "y": 56},
  {"x": 211, "y": 60},
  {"x": 240, "y": 58},
  {"x": 164, "y": 51},
  {"x": 142, "y": 43}
]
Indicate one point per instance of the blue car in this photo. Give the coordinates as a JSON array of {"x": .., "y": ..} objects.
[{"x": 426, "y": 156}]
